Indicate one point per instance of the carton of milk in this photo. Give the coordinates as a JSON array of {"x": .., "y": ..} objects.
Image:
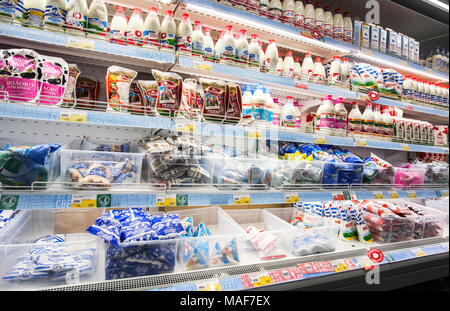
[
  {"x": 357, "y": 33},
  {"x": 399, "y": 44},
  {"x": 375, "y": 37},
  {"x": 391, "y": 42},
  {"x": 383, "y": 40},
  {"x": 411, "y": 49},
  {"x": 416, "y": 52},
  {"x": 365, "y": 35},
  {"x": 405, "y": 47}
]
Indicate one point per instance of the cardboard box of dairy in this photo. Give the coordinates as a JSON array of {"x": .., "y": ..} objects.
[
  {"x": 374, "y": 37},
  {"x": 383, "y": 40},
  {"x": 392, "y": 42},
  {"x": 365, "y": 35},
  {"x": 405, "y": 46},
  {"x": 357, "y": 33}
]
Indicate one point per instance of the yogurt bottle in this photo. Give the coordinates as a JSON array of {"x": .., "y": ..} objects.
[
  {"x": 319, "y": 17},
  {"x": 118, "y": 26},
  {"x": 254, "y": 53},
  {"x": 299, "y": 13},
  {"x": 288, "y": 11},
  {"x": 415, "y": 89},
  {"x": 378, "y": 122},
  {"x": 288, "y": 65},
  {"x": 229, "y": 47},
  {"x": 55, "y": 15},
  {"x": 348, "y": 27},
  {"x": 184, "y": 36},
  {"x": 355, "y": 120},
  {"x": 310, "y": 15},
  {"x": 308, "y": 68},
  {"x": 242, "y": 49},
  {"x": 297, "y": 68},
  {"x": 319, "y": 70},
  {"x": 276, "y": 113},
  {"x": 275, "y": 9},
  {"x": 335, "y": 71},
  {"x": 271, "y": 57},
  {"x": 208, "y": 46},
  {"x": 76, "y": 18},
  {"x": 325, "y": 116},
  {"x": 420, "y": 90},
  {"x": 36, "y": 13},
  {"x": 338, "y": 24},
  {"x": 262, "y": 57},
  {"x": 368, "y": 123},
  {"x": 427, "y": 91},
  {"x": 290, "y": 113},
  {"x": 167, "y": 39},
  {"x": 97, "y": 20},
  {"x": 135, "y": 28},
  {"x": 197, "y": 40},
  {"x": 328, "y": 22},
  {"x": 340, "y": 120},
  {"x": 152, "y": 29}
]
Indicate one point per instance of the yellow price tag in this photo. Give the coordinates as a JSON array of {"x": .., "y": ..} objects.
[
  {"x": 411, "y": 194},
  {"x": 202, "y": 66},
  {"x": 378, "y": 195},
  {"x": 406, "y": 148},
  {"x": 361, "y": 143},
  {"x": 261, "y": 280},
  {"x": 84, "y": 201},
  {"x": 160, "y": 201},
  {"x": 242, "y": 199},
  {"x": 69, "y": 115},
  {"x": 368, "y": 52},
  {"x": 187, "y": 128},
  {"x": 393, "y": 195},
  {"x": 292, "y": 198},
  {"x": 340, "y": 266},
  {"x": 254, "y": 134},
  {"x": 209, "y": 286},
  {"x": 419, "y": 253},
  {"x": 81, "y": 43},
  {"x": 170, "y": 201},
  {"x": 445, "y": 194},
  {"x": 404, "y": 63},
  {"x": 320, "y": 140}
]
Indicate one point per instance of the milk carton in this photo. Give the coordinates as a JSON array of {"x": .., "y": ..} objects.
[
  {"x": 399, "y": 45},
  {"x": 357, "y": 33},
  {"x": 383, "y": 40},
  {"x": 374, "y": 37},
  {"x": 392, "y": 41},
  {"x": 365, "y": 35},
  {"x": 411, "y": 49},
  {"x": 416, "y": 52},
  {"x": 405, "y": 47}
]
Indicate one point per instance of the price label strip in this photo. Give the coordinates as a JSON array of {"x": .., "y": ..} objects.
[
  {"x": 242, "y": 199},
  {"x": 254, "y": 134},
  {"x": 84, "y": 201},
  {"x": 203, "y": 66},
  {"x": 418, "y": 252},
  {"x": 81, "y": 43},
  {"x": 285, "y": 275},
  {"x": 256, "y": 280},
  {"x": 405, "y": 147},
  {"x": 185, "y": 127},
  {"x": 210, "y": 286},
  {"x": 411, "y": 194},
  {"x": 339, "y": 265},
  {"x": 291, "y": 198},
  {"x": 361, "y": 142},
  {"x": 320, "y": 140},
  {"x": 393, "y": 194},
  {"x": 171, "y": 200},
  {"x": 378, "y": 195},
  {"x": 70, "y": 115},
  {"x": 160, "y": 200}
]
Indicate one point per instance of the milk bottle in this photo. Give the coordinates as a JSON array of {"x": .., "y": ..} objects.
[
  {"x": 218, "y": 48},
  {"x": 420, "y": 90},
  {"x": 167, "y": 38},
  {"x": 258, "y": 104},
  {"x": 319, "y": 70},
  {"x": 288, "y": 11},
  {"x": 415, "y": 89},
  {"x": 262, "y": 57},
  {"x": 280, "y": 64},
  {"x": 348, "y": 27},
  {"x": 152, "y": 29},
  {"x": 355, "y": 120},
  {"x": 299, "y": 13},
  {"x": 288, "y": 65},
  {"x": 310, "y": 15},
  {"x": 228, "y": 47},
  {"x": 76, "y": 18},
  {"x": 335, "y": 71},
  {"x": 184, "y": 36},
  {"x": 338, "y": 24},
  {"x": 242, "y": 49},
  {"x": 275, "y": 9},
  {"x": 297, "y": 68},
  {"x": 55, "y": 15},
  {"x": 426, "y": 92},
  {"x": 379, "y": 124},
  {"x": 388, "y": 124},
  {"x": 340, "y": 120},
  {"x": 368, "y": 121},
  {"x": 36, "y": 12},
  {"x": 264, "y": 7},
  {"x": 319, "y": 17},
  {"x": 432, "y": 93},
  {"x": 254, "y": 53},
  {"x": 208, "y": 45},
  {"x": 308, "y": 67},
  {"x": 271, "y": 56},
  {"x": 118, "y": 26},
  {"x": 325, "y": 116},
  {"x": 135, "y": 28},
  {"x": 345, "y": 72},
  {"x": 289, "y": 113},
  {"x": 407, "y": 89},
  {"x": 197, "y": 40},
  {"x": 439, "y": 95},
  {"x": 445, "y": 94},
  {"x": 97, "y": 20},
  {"x": 328, "y": 21}
]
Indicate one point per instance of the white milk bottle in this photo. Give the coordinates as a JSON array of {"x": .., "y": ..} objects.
[
  {"x": 258, "y": 102},
  {"x": 152, "y": 29},
  {"x": 345, "y": 72},
  {"x": 76, "y": 18},
  {"x": 262, "y": 57},
  {"x": 208, "y": 45},
  {"x": 319, "y": 17},
  {"x": 338, "y": 24},
  {"x": 319, "y": 70},
  {"x": 229, "y": 47},
  {"x": 168, "y": 35},
  {"x": 275, "y": 9},
  {"x": 288, "y": 65},
  {"x": 426, "y": 92},
  {"x": 55, "y": 15},
  {"x": 118, "y": 26},
  {"x": 264, "y": 7},
  {"x": 439, "y": 95},
  {"x": 271, "y": 57},
  {"x": 297, "y": 68},
  {"x": 36, "y": 12},
  {"x": 433, "y": 93},
  {"x": 445, "y": 96},
  {"x": 97, "y": 20},
  {"x": 218, "y": 48},
  {"x": 415, "y": 89},
  {"x": 407, "y": 88},
  {"x": 308, "y": 68},
  {"x": 388, "y": 124},
  {"x": 271, "y": 110},
  {"x": 328, "y": 22},
  {"x": 288, "y": 11},
  {"x": 254, "y": 53},
  {"x": 280, "y": 64},
  {"x": 184, "y": 35},
  {"x": 197, "y": 40},
  {"x": 368, "y": 121},
  {"x": 355, "y": 120},
  {"x": 299, "y": 13},
  {"x": 335, "y": 71},
  {"x": 242, "y": 49},
  {"x": 348, "y": 27},
  {"x": 340, "y": 120},
  {"x": 310, "y": 15},
  {"x": 135, "y": 28},
  {"x": 326, "y": 115},
  {"x": 289, "y": 113},
  {"x": 379, "y": 124},
  {"x": 420, "y": 90}
]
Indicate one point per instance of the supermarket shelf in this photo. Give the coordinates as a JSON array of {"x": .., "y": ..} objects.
[
  {"x": 91, "y": 49},
  {"x": 146, "y": 195},
  {"x": 401, "y": 259},
  {"x": 57, "y": 116}
]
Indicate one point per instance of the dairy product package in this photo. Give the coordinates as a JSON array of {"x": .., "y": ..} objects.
[
  {"x": 87, "y": 92},
  {"x": 383, "y": 40},
  {"x": 215, "y": 99},
  {"x": 189, "y": 98},
  {"x": 8, "y": 8},
  {"x": 149, "y": 90},
  {"x": 374, "y": 37},
  {"x": 97, "y": 19},
  {"x": 55, "y": 77},
  {"x": 76, "y": 18},
  {"x": 357, "y": 33},
  {"x": 23, "y": 69},
  {"x": 70, "y": 93},
  {"x": 169, "y": 92},
  {"x": 365, "y": 35},
  {"x": 118, "y": 82},
  {"x": 137, "y": 100},
  {"x": 391, "y": 42},
  {"x": 234, "y": 103},
  {"x": 55, "y": 14}
]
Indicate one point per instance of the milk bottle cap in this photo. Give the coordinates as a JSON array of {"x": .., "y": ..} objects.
[
  {"x": 243, "y": 32},
  {"x": 319, "y": 4},
  {"x": 198, "y": 23},
  {"x": 289, "y": 53},
  {"x": 338, "y": 11},
  {"x": 229, "y": 27},
  {"x": 254, "y": 36},
  {"x": 336, "y": 57},
  {"x": 327, "y": 8},
  {"x": 318, "y": 60},
  {"x": 153, "y": 9},
  {"x": 120, "y": 9},
  {"x": 346, "y": 14},
  {"x": 185, "y": 16},
  {"x": 169, "y": 13},
  {"x": 137, "y": 11},
  {"x": 297, "y": 59}
]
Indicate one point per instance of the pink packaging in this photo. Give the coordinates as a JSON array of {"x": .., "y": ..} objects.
[
  {"x": 54, "y": 80},
  {"x": 440, "y": 135}
]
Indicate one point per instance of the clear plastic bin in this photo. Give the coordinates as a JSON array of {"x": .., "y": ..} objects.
[
  {"x": 381, "y": 176},
  {"x": 390, "y": 229},
  {"x": 84, "y": 252},
  {"x": 440, "y": 205},
  {"x": 409, "y": 177},
  {"x": 87, "y": 169}
]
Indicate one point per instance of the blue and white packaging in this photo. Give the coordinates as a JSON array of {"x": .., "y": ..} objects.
[
  {"x": 365, "y": 35},
  {"x": 411, "y": 49},
  {"x": 383, "y": 40},
  {"x": 357, "y": 32},
  {"x": 416, "y": 52},
  {"x": 374, "y": 37},
  {"x": 405, "y": 47},
  {"x": 399, "y": 44},
  {"x": 391, "y": 42}
]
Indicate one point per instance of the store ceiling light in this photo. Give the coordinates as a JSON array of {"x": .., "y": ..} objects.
[
  {"x": 438, "y": 4},
  {"x": 249, "y": 23}
]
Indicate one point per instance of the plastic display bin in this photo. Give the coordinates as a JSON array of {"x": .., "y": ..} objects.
[
  {"x": 440, "y": 205},
  {"x": 409, "y": 177},
  {"x": 17, "y": 242},
  {"x": 383, "y": 176},
  {"x": 390, "y": 229}
]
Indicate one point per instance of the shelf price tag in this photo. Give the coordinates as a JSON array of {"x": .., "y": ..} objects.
[
  {"x": 203, "y": 66},
  {"x": 160, "y": 201},
  {"x": 320, "y": 140},
  {"x": 418, "y": 252},
  {"x": 404, "y": 63},
  {"x": 240, "y": 199},
  {"x": 360, "y": 142},
  {"x": 81, "y": 43},
  {"x": 261, "y": 279},
  {"x": 185, "y": 127},
  {"x": 71, "y": 115},
  {"x": 211, "y": 285},
  {"x": 253, "y": 134},
  {"x": 339, "y": 265},
  {"x": 405, "y": 147},
  {"x": 393, "y": 194},
  {"x": 377, "y": 195},
  {"x": 170, "y": 200},
  {"x": 411, "y": 194},
  {"x": 84, "y": 201},
  {"x": 291, "y": 198},
  {"x": 338, "y": 196}
]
